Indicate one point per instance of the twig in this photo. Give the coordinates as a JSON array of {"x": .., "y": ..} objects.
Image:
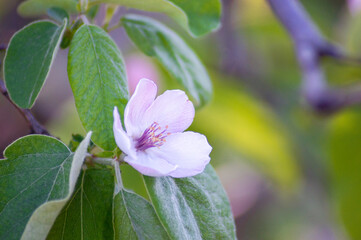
[
  {"x": 310, "y": 47},
  {"x": 34, "y": 125}
]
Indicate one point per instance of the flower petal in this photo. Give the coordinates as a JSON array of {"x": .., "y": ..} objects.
[
  {"x": 189, "y": 151},
  {"x": 148, "y": 166},
  {"x": 172, "y": 109},
  {"x": 121, "y": 137},
  {"x": 142, "y": 98}
]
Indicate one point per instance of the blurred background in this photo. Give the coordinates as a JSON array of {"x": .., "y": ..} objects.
[{"x": 289, "y": 173}]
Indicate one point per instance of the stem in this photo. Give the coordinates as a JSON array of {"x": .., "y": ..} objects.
[
  {"x": 84, "y": 19},
  {"x": 118, "y": 25},
  {"x": 310, "y": 47},
  {"x": 104, "y": 161},
  {"x": 34, "y": 125},
  {"x": 120, "y": 159},
  {"x": 119, "y": 184}
]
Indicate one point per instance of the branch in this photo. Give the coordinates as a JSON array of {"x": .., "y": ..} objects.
[
  {"x": 34, "y": 125},
  {"x": 310, "y": 47}
]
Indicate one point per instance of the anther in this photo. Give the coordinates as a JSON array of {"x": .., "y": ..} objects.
[{"x": 151, "y": 137}]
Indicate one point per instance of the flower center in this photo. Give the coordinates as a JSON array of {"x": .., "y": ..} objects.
[{"x": 153, "y": 136}]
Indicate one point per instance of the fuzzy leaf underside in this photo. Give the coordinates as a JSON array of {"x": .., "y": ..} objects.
[{"x": 192, "y": 208}]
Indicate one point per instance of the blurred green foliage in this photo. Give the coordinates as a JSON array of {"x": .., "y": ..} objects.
[
  {"x": 317, "y": 158},
  {"x": 240, "y": 121},
  {"x": 344, "y": 148}
]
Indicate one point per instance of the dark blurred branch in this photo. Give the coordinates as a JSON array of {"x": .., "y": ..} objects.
[
  {"x": 310, "y": 47},
  {"x": 3, "y": 46},
  {"x": 34, "y": 125},
  {"x": 238, "y": 61},
  {"x": 234, "y": 53}
]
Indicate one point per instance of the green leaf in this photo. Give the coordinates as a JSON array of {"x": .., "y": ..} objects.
[
  {"x": 33, "y": 8},
  {"x": 156, "y": 40},
  {"x": 28, "y": 60},
  {"x": 135, "y": 218},
  {"x": 344, "y": 152},
  {"x": 96, "y": 212},
  {"x": 201, "y": 16},
  {"x": 88, "y": 214},
  {"x": 192, "y": 208},
  {"x": 75, "y": 141},
  {"x": 133, "y": 180},
  {"x": 43, "y": 218},
  {"x": 38, "y": 171},
  {"x": 2, "y": 56},
  {"x": 98, "y": 80},
  {"x": 58, "y": 14}
]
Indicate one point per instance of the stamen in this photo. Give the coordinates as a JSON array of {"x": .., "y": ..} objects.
[{"x": 152, "y": 137}]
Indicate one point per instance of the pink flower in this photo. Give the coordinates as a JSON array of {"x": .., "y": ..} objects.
[
  {"x": 354, "y": 6},
  {"x": 154, "y": 141},
  {"x": 139, "y": 67}
]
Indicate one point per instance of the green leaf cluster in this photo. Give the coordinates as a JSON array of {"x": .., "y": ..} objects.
[
  {"x": 200, "y": 17},
  {"x": 36, "y": 180},
  {"x": 96, "y": 68},
  {"x": 51, "y": 191},
  {"x": 46, "y": 193}
]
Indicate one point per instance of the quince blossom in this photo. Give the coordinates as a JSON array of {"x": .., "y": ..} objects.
[{"x": 154, "y": 141}]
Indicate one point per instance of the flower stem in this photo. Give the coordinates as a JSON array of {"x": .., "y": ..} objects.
[
  {"x": 84, "y": 19},
  {"x": 103, "y": 161},
  {"x": 119, "y": 184}
]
